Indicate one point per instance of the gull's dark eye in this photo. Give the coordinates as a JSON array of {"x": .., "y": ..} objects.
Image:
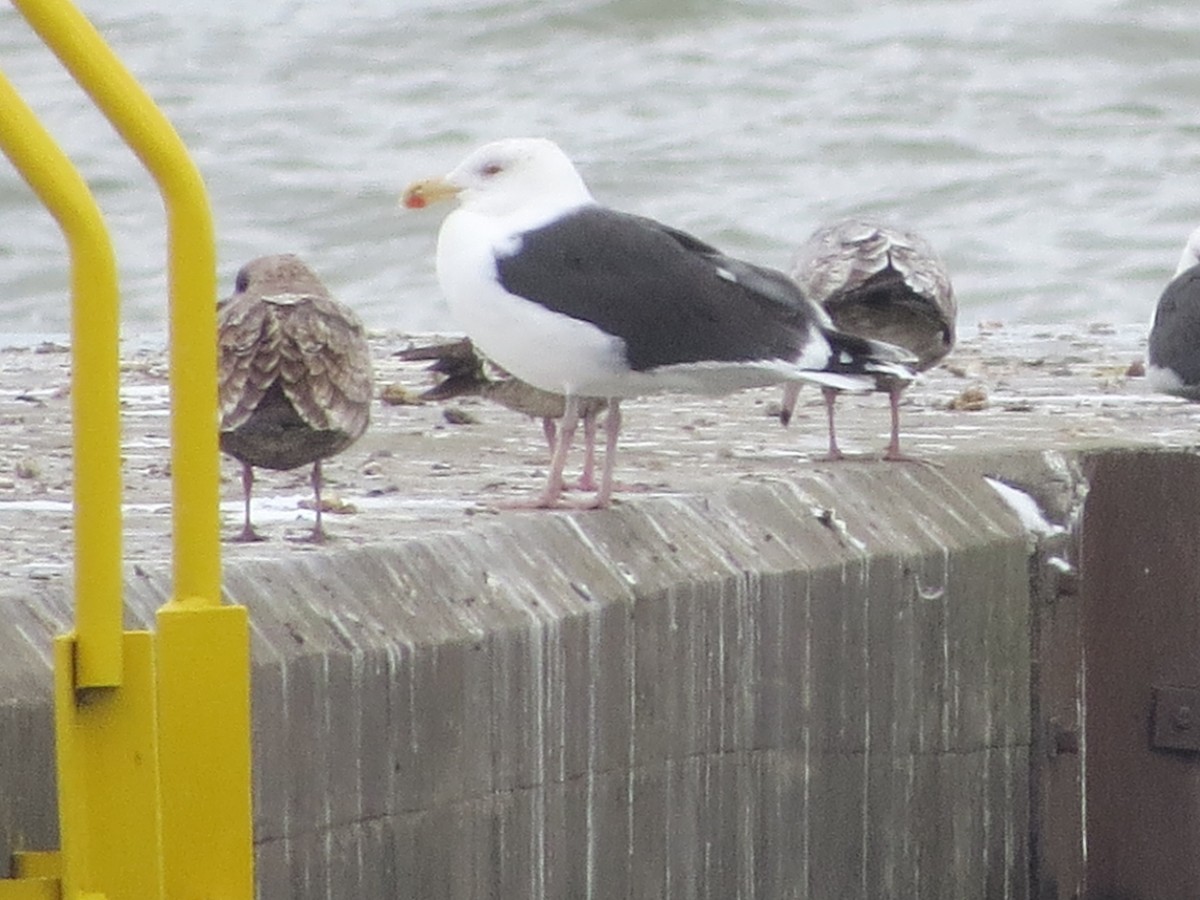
[
  {"x": 490, "y": 169},
  {"x": 242, "y": 281}
]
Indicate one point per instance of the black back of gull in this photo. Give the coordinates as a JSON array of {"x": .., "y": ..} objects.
[{"x": 1173, "y": 354}]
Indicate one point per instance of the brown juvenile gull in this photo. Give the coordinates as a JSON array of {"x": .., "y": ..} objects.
[
  {"x": 582, "y": 300},
  {"x": 294, "y": 374},
  {"x": 883, "y": 283},
  {"x": 465, "y": 372},
  {"x": 1173, "y": 356}
]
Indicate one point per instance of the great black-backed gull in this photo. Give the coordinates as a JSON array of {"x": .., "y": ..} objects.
[
  {"x": 465, "y": 372},
  {"x": 582, "y": 300},
  {"x": 1173, "y": 357},
  {"x": 878, "y": 282},
  {"x": 294, "y": 374}
]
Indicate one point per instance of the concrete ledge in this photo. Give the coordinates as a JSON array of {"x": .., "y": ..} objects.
[
  {"x": 760, "y": 678},
  {"x": 817, "y": 681}
]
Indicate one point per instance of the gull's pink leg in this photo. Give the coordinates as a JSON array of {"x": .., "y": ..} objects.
[
  {"x": 247, "y": 534},
  {"x": 558, "y": 460},
  {"x": 791, "y": 391},
  {"x": 893, "y": 447},
  {"x": 587, "y": 478},
  {"x": 318, "y": 532},
  {"x": 893, "y": 452},
  {"x": 612, "y": 427},
  {"x": 835, "y": 452}
]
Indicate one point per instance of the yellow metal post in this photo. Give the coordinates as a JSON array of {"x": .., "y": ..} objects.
[
  {"x": 108, "y": 778},
  {"x": 160, "y": 765}
]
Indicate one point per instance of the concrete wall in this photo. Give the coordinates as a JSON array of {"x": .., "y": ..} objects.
[{"x": 805, "y": 687}]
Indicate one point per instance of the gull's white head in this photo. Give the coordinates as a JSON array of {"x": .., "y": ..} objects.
[
  {"x": 1191, "y": 253},
  {"x": 506, "y": 177}
]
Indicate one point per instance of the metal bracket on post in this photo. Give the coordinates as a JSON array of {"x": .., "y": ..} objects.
[{"x": 1175, "y": 718}]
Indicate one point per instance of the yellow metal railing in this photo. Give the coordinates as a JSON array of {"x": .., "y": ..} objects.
[
  {"x": 152, "y": 728},
  {"x": 95, "y": 366},
  {"x": 191, "y": 278}
]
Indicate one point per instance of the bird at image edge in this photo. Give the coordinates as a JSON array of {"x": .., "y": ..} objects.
[{"x": 1173, "y": 354}]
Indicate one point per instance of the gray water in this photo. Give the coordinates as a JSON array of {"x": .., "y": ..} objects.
[{"x": 1051, "y": 151}]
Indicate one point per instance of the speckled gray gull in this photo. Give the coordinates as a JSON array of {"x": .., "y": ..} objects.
[
  {"x": 583, "y": 300},
  {"x": 464, "y": 371},
  {"x": 294, "y": 375},
  {"x": 884, "y": 283},
  {"x": 1173, "y": 355}
]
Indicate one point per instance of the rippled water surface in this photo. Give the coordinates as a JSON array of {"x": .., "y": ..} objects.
[{"x": 1050, "y": 151}]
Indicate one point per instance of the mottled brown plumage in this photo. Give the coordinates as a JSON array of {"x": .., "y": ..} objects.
[
  {"x": 465, "y": 372},
  {"x": 295, "y": 374},
  {"x": 882, "y": 283}
]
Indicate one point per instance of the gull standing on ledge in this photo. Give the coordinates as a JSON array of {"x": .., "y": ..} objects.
[
  {"x": 1173, "y": 357},
  {"x": 466, "y": 373},
  {"x": 582, "y": 300},
  {"x": 882, "y": 283},
  {"x": 294, "y": 374}
]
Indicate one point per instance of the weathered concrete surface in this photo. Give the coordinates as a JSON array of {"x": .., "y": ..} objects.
[
  {"x": 413, "y": 472},
  {"x": 762, "y": 677}
]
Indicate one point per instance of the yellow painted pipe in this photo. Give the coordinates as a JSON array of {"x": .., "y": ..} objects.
[
  {"x": 94, "y": 386},
  {"x": 195, "y": 461}
]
